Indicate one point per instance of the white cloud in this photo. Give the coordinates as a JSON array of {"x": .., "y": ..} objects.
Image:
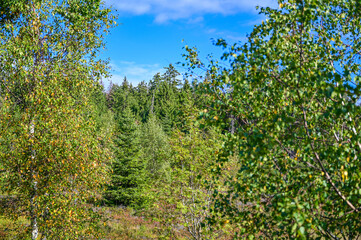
[
  {"x": 166, "y": 10},
  {"x": 134, "y": 72},
  {"x": 229, "y": 36},
  {"x": 236, "y": 38}
]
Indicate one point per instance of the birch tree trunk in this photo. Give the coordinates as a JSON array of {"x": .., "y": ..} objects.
[{"x": 33, "y": 214}]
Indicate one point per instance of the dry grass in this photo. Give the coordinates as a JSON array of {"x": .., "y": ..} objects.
[
  {"x": 118, "y": 223},
  {"x": 122, "y": 224},
  {"x": 10, "y": 229}
]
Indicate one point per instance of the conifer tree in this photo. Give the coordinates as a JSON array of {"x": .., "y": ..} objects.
[
  {"x": 165, "y": 93},
  {"x": 129, "y": 171},
  {"x": 143, "y": 99}
]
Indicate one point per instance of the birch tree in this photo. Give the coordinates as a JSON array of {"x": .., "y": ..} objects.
[
  {"x": 53, "y": 159},
  {"x": 293, "y": 89}
]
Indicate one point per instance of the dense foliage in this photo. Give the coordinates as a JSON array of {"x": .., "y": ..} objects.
[
  {"x": 53, "y": 157},
  {"x": 264, "y": 144},
  {"x": 292, "y": 90}
]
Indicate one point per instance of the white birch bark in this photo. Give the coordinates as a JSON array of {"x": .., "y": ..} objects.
[{"x": 34, "y": 220}]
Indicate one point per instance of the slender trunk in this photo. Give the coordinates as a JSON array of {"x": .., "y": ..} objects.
[
  {"x": 33, "y": 205},
  {"x": 33, "y": 214},
  {"x": 34, "y": 219},
  {"x": 232, "y": 127}
]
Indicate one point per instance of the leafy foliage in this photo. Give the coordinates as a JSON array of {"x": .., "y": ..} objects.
[
  {"x": 53, "y": 157},
  {"x": 274, "y": 154},
  {"x": 293, "y": 89},
  {"x": 155, "y": 148},
  {"x": 185, "y": 199}
]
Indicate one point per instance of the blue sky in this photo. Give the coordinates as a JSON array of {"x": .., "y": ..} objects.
[{"x": 152, "y": 33}]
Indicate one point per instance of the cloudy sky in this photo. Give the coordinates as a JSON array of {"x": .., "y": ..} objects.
[{"x": 152, "y": 33}]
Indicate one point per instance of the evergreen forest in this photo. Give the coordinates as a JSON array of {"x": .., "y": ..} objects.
[{"x": 262, "y": 143}]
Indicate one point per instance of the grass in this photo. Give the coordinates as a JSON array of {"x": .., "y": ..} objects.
[
  {"x": 10, "y": 228},
  {"x": 121, "y": 223},
  {"x": 117, "y": 223}
]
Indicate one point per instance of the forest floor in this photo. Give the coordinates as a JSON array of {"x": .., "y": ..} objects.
[
  {"x": 122, "y": 223},
  {"x": 117, "y": 223}
]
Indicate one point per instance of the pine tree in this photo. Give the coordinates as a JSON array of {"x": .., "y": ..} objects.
[
  {"x": 142, "y": 95},
  {"x": 186, "y": 104},
  {"x": 165, "y": 97},
  {"x": 129, "y": 171}
]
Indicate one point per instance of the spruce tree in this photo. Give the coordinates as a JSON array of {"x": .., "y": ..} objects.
[
  {"x": 142, "y": 95},
  {"x": 129, "y": 171}
]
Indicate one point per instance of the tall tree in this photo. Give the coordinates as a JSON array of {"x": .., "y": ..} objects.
[
  {"x": 293, "y": 89},
  {"x": 129, "y": 173},
  {"x": 121, "y": 97},
  {"x": 142, "y": 95},
  {"x": 186, "y": 104},
  {"x": 164, "y": 104},
  {"x": 52, "y": 156},
  {"x": 155, "y": 150}
]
